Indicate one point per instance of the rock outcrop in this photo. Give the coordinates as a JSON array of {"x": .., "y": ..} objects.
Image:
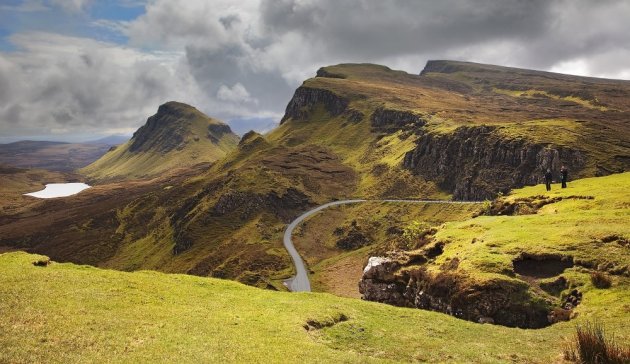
[
  {"x": 306, "y": 99},
  {"x": 476, "y": 163},
  {"x": 390, "y": 118},
  {"x": 162, "y": 131},
  {"x": 503, "y": 302},
  {"x": 217, "y": 131}
]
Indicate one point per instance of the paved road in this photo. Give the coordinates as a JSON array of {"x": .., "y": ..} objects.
[{"x": 300, "y": 282}]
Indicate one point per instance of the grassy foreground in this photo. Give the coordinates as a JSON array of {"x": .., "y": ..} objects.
[{"x": 70, "y": 313}]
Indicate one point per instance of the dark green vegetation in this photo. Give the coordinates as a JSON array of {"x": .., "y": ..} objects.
[
  {"x": 53, "y": 156},
  {"x": 459, "y": 130},
  {"x": 177, "y": 136}
]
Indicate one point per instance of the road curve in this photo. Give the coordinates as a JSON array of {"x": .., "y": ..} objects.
[{"x": 300, "y": 282}]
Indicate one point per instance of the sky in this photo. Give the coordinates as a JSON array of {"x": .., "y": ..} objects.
[{"x": 81, "y": 69}]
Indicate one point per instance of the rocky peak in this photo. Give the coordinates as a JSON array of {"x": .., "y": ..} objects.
[{"x": 172, "y": 127}]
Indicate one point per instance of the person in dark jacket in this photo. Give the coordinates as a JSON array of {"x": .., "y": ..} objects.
[
  {"x": 564, "y": 174},
  {"x": 548, "y": 178}
]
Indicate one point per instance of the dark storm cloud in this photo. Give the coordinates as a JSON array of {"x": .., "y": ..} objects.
[{"x": 377, "y": 28}]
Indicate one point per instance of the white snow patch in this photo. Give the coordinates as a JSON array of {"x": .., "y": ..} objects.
[{"x": 53, "y": 190}]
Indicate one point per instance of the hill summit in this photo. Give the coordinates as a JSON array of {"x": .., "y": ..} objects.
[{"x": 178, "y": 135}]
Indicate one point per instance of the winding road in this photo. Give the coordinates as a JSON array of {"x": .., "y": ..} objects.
[{"x": 300, "y": 282}]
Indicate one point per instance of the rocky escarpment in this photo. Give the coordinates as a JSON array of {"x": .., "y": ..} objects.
[
  {"x": 500, "y": 301},
  {"x": 217, "y": 131},
  {"x": 383, "y": 118},
  {"x": 306, "y": 99},
  {"x": 177, "y": 136},
  {"x": 171, "y": 128},
  {"x": 476, "y": 163}
]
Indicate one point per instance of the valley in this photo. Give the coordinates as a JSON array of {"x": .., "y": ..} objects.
[{"x": 434, "y": 179}]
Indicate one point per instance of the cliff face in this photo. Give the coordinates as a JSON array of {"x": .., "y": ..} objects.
[
  {"x": 305, "y": 99},
  {"x": 474, "y": 130},
  {"x": 476, "y": 163},
  {"x": 501, "y": 302}
]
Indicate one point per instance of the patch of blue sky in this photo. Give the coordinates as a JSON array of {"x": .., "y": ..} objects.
[
  {"x": 117, "y": 10},
  {"x": 5, "y": 43},
  {"x": 102, "y": 20}
]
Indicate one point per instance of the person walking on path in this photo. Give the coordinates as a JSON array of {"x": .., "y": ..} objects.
[
  {"x": 564, "y": 174},
  {"x": 548, "y": 178}
]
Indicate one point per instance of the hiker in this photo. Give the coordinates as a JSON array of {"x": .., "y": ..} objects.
[
  {"x": 548, "y": 177},
  {"x": 564, "y": 173}
]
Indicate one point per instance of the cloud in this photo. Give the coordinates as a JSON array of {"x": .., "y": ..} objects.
[
  {"x": 236, "y": 93},
  {"x": 59, "y": 84},
  {"x": 242, "y": 60}
]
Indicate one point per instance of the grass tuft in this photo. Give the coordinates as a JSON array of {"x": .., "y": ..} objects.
[
  {"x": 600, "y": 280},
  {"x": 590, "y": 346},
  {"x": 43, "y": 262}
]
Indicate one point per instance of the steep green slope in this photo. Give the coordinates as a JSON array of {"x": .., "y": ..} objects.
[
  {"x": 66, "y": 313},
  {"x": 178, "y": 135}
]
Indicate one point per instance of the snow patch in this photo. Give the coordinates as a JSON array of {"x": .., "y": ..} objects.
[{"x": 53, "y": 190}]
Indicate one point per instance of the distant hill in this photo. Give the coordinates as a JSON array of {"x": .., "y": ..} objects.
[
  {"x": 178, "y": 135},
  {"x": 54, "y": 156},
  {"x": 110, "y": 140}
]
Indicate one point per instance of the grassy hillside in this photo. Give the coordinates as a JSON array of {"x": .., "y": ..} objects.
[
  {"x": 525, "y": 257},
  {"x": 177, "y": 136},
  {"x": 379, "y": 120}
]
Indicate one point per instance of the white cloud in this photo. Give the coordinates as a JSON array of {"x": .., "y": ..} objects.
[
  {"x": 236, "y": 93},
  {"x": 69, "y": 84}
]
